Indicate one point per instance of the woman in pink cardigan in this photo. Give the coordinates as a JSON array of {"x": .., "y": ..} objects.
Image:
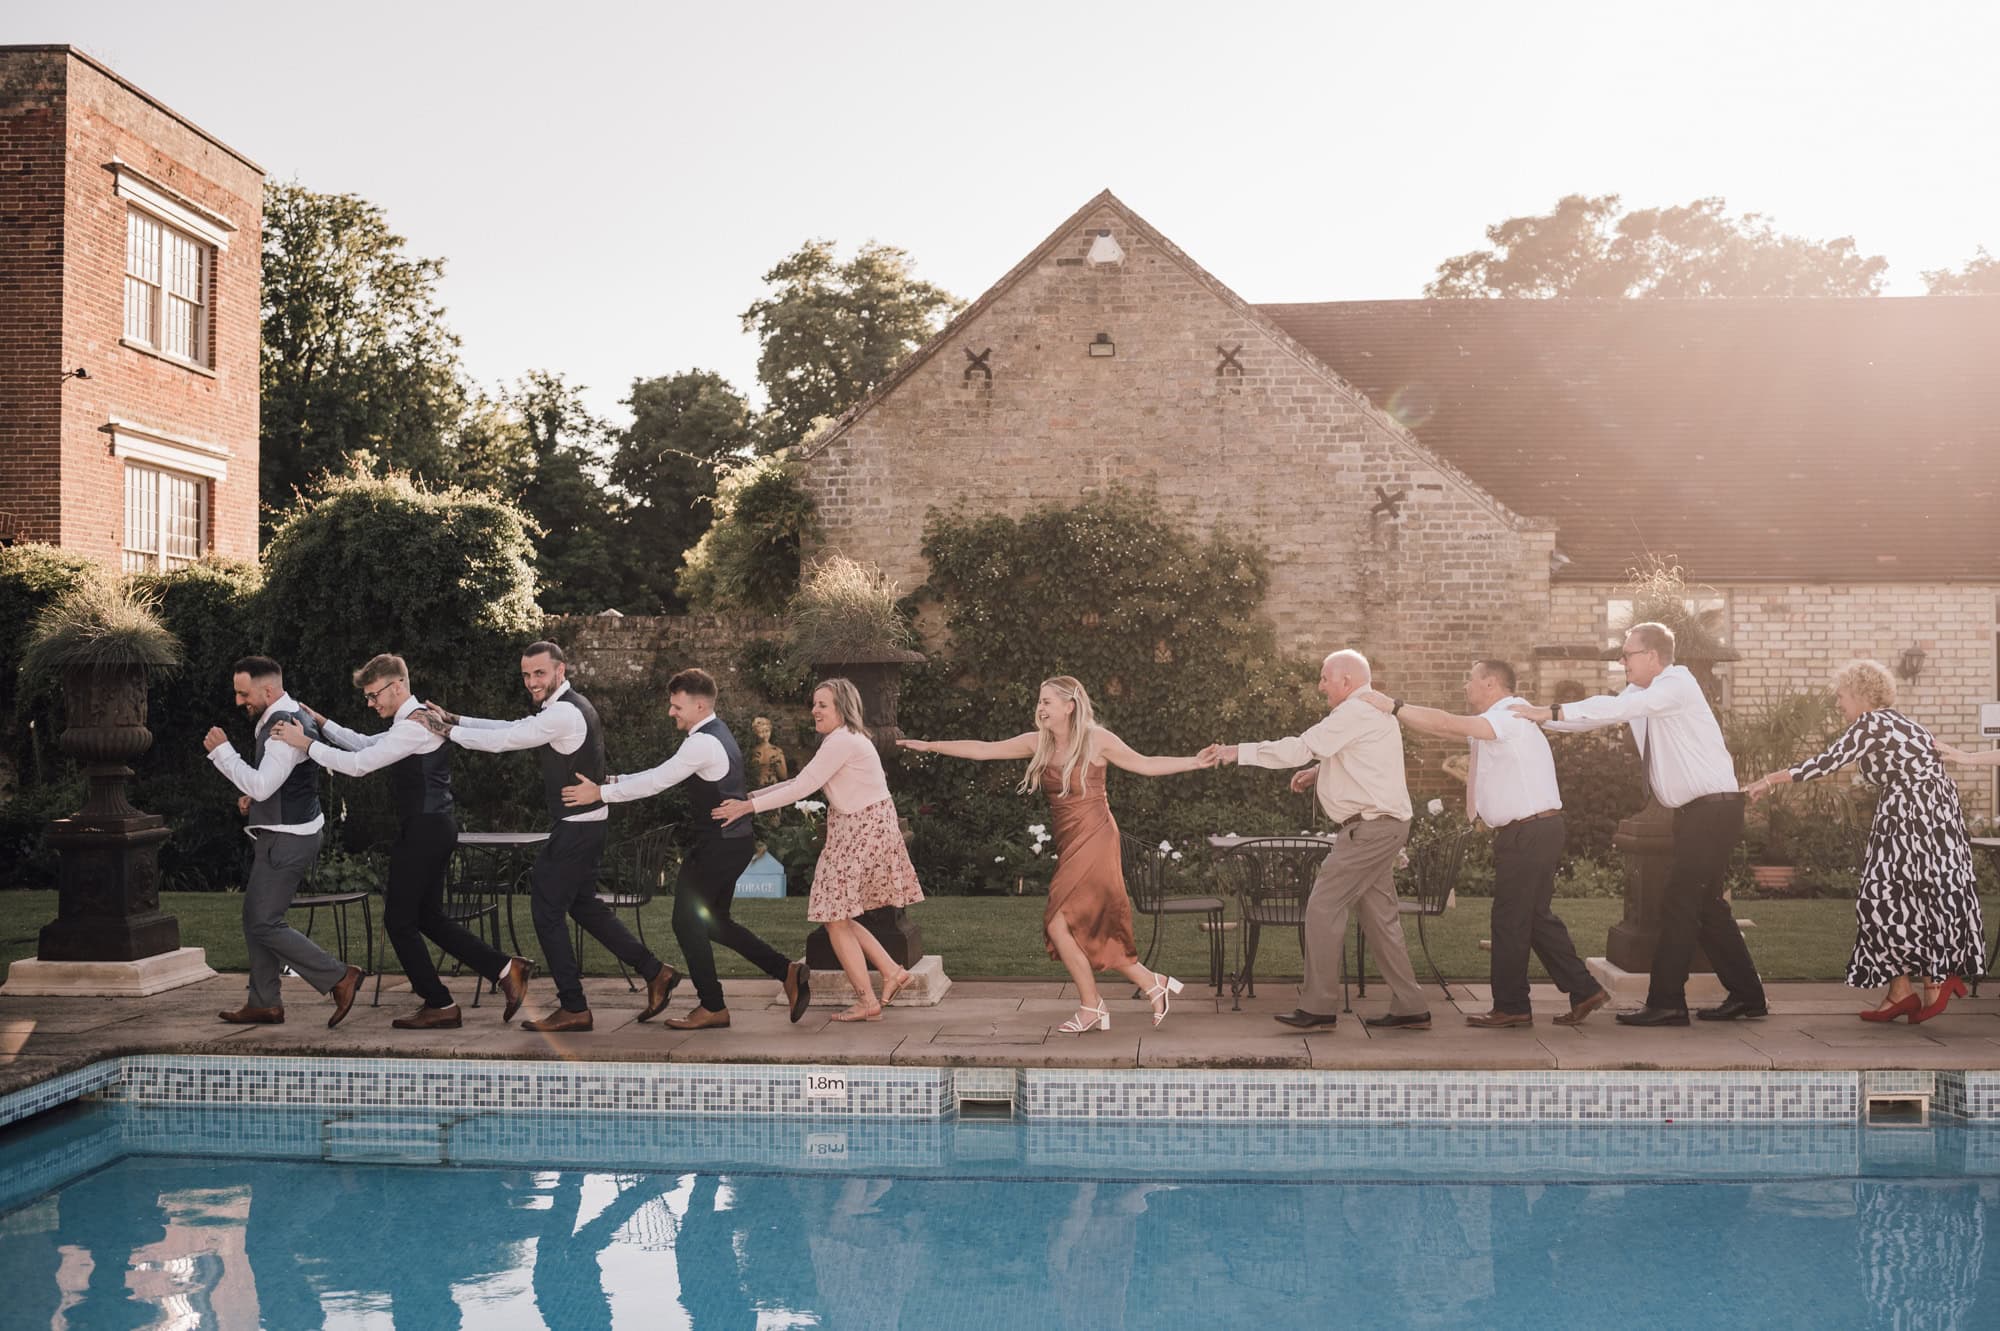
[{"x": 864, "y": 863}]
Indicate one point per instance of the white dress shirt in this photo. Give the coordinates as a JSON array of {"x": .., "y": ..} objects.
[
  {"x": 700, "y": 754},
  {"x": 558, "y": 724},
  {"x": 1360, "y": 755},
  {"x": 262, "y": 781},
  {"x": 1676, "y": 731},
  {"x": 360, "y": 754},
  {"x": 1513, "y": 774}
]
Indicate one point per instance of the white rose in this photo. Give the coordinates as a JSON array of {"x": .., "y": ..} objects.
[
  {"x": 1434, "y": 807},
  {"x": 1177, "y": 854},
  {"x": 999, "y": 859},
  {"x": 1166, "y": 845}
]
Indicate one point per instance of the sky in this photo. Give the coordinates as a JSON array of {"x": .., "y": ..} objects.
[{"x": 607, "y": 182}]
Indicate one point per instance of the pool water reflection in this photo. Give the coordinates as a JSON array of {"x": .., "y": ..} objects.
[{"x": 129, "y": 1217}]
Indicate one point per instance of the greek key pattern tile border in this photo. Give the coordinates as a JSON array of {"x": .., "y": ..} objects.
[
  {"x": 801, "y": 1091},
  {"x": 1045, "y": 1094}
]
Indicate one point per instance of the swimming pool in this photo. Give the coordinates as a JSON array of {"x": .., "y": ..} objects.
[{"x": 123, "y": 1215}]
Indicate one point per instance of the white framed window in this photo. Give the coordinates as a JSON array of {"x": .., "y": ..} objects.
[
  {"x": 166, "y": 288},
  {"x": 166, "y": 518}
]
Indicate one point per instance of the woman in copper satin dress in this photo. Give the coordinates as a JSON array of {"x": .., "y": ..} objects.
[{"x": 1088, "y": 922}]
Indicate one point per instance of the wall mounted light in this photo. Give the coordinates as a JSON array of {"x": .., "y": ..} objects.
[
  {"x": 1104, "y": 251},
  {"x": 78, "y": 373},
  {"x": 1911, "y": 664},
  {"x": 1103, "y": 346}
]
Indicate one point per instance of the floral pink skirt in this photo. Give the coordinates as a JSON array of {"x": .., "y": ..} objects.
[{"x": 863, "y": 865}]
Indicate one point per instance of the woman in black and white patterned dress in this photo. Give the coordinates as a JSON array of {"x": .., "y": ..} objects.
[{"x": 1917, "y": 912}]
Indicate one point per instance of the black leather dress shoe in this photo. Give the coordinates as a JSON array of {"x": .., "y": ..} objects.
[
  {"x": 1305, "y": 1020},
  {"x": 1655, "y": 1016},
  {"x": 1409, "y": 1021},
  {"x": 1733, "y": 1009}
]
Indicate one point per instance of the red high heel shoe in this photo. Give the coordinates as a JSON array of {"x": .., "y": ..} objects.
[
  {"x": 1902, "y": 1007},
  {"x": 1952, "y": 986}
]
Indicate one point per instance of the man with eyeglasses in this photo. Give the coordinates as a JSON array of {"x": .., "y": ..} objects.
[
  {"x": 419, "y": 767},
  {"x": 1689, "y": 771}
]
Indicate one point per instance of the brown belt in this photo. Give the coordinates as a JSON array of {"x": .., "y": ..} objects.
[{"x": 1533, "y": 817}]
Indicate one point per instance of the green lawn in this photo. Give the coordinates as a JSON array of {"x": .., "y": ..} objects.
[{"x": 1001, "y": 936}]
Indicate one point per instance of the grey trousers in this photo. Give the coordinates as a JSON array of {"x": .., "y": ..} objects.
[
  {"x": 277, "y": 868},
  {"x": 1359, "y": 876}
]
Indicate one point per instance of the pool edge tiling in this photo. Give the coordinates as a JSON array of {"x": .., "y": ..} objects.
[{"x": 849, "y": 1091}]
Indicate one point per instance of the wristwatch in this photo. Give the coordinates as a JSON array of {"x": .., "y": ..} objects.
[
  {"x": 1555, "y": 711},
  {"x": 1395, "y": 706}
]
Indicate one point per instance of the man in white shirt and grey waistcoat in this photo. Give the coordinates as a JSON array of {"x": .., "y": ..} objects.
[
  {"x": 1356, "y": 766},
  {"x": 1689, "y": 771},
  {"x": 569, "y": 742},
  {"x": 280, "y": 789},
  {"x": 419, "y": 767},
  {"x": 1511, "y": 787}
]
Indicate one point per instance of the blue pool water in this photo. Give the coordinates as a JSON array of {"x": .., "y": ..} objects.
[{"x": 128, "y": 1217}]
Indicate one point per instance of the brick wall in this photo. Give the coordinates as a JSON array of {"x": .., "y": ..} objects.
[
  {"x": 57, "y": 102},
  {"x": 1793, "y": 636},
  {"x": 1272, "y": 447},
  {"x": 32, "y": 121}
]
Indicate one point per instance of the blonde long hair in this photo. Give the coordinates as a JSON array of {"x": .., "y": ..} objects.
[
  {"x": 1073, "y": 758},
  {"x": 846, "y": 703}
]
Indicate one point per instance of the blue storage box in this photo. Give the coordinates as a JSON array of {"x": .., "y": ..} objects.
[{"x": 764, "y": 878}]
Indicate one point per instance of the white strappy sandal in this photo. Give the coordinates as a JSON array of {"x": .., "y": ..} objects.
[
  {"x": 1088, "y": 1018},
  {"x": 1164, "y": 986}
]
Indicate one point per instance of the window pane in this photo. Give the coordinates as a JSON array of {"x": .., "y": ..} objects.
[
  {"x": 179, "y": 328},
  {"x": 180, "y": 520},
  {"x": 142, "y": 247},
  {"x": 138, "y": 311},
  {"x": 141, "y": 516}
]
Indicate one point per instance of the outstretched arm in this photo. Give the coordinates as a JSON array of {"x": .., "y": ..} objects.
[
  {"x": 1120, "y": 754},
  {"x": 979, "y": 750},
  {"x": 1951, "y": 753},
  {"x": 1430, "y": 720}
]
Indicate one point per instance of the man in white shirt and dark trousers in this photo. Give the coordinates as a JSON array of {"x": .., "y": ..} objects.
[
  {"x": 1356, "y": 757},
  {"x": 710, "y": 765},
  {"x": 281, "y": 798},
  {"x": 563, "y": 885},
  {"x": 1511, "y": 787},
  {"x": 1688, "y": 769},
  {"x": 419, "y": 767}
]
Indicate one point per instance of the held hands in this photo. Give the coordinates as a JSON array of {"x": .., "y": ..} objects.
[
  {"x": 585, "y": 791},
  {"x": 1304, "y": 778},
  {"x": 1216, "y": 755},
  {"x": 292, "y": 733},
  {"x": 214, "y": 739},
  {"x": 1757, "y": 789},
  {"x": 1377, "y": 699},
  {"x": 730, "y": 810}
]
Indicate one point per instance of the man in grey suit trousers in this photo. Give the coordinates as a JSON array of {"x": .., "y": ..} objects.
[
  {"x": 1356, "y": 757},
  {"x": 280, "y": 789}
]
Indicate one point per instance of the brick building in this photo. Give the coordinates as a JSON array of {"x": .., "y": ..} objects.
[
  {"x": 1434, "y": 479},
  {"x": 129, "y": 250}
]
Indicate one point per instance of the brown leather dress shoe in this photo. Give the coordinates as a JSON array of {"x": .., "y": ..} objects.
[
  {"x": 798, "y": 989},
  {"x": 562, "y": 1019},
  {"x": 254, "y": 1016},
  {"x": 658, "y": 990},
  {"x": 513, "y": 983},
  {"x": 1496, "y": 1019},
  {"x": 430, "y": 1019},
  {"x": 699, "y": 1019},
  {"x": 343, "y": 992},
  {"x": 1578, "y": 1011}
]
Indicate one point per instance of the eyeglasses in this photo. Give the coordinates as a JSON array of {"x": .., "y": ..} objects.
[
  {"x": 1626, "y": 656},
  {"x": 369, "y": 696}
]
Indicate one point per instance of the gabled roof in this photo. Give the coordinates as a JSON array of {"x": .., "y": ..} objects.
[
  {"x": 1065, "y": 234},
  {"x": 1782, "y": 440}
]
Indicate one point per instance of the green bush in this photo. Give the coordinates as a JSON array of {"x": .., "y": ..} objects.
[
  {"x": 1598, "y": 774},
  {"x": 749, "y": 557},
  {"x": 32, "y": 577},
  {"x": 1162, "y": 627}
]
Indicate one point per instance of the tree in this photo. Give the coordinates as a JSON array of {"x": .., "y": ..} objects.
[
  {"x": 582, "y": 555},
  {"x": 748, "y": 559},
  {"x": 831, "y": 331},
  {"x": 1583, "y": 247},
  {"x": 356, "y": 353},
  {"x": 1980, "y": 276},
  {"x": 683, "y": 427}
]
